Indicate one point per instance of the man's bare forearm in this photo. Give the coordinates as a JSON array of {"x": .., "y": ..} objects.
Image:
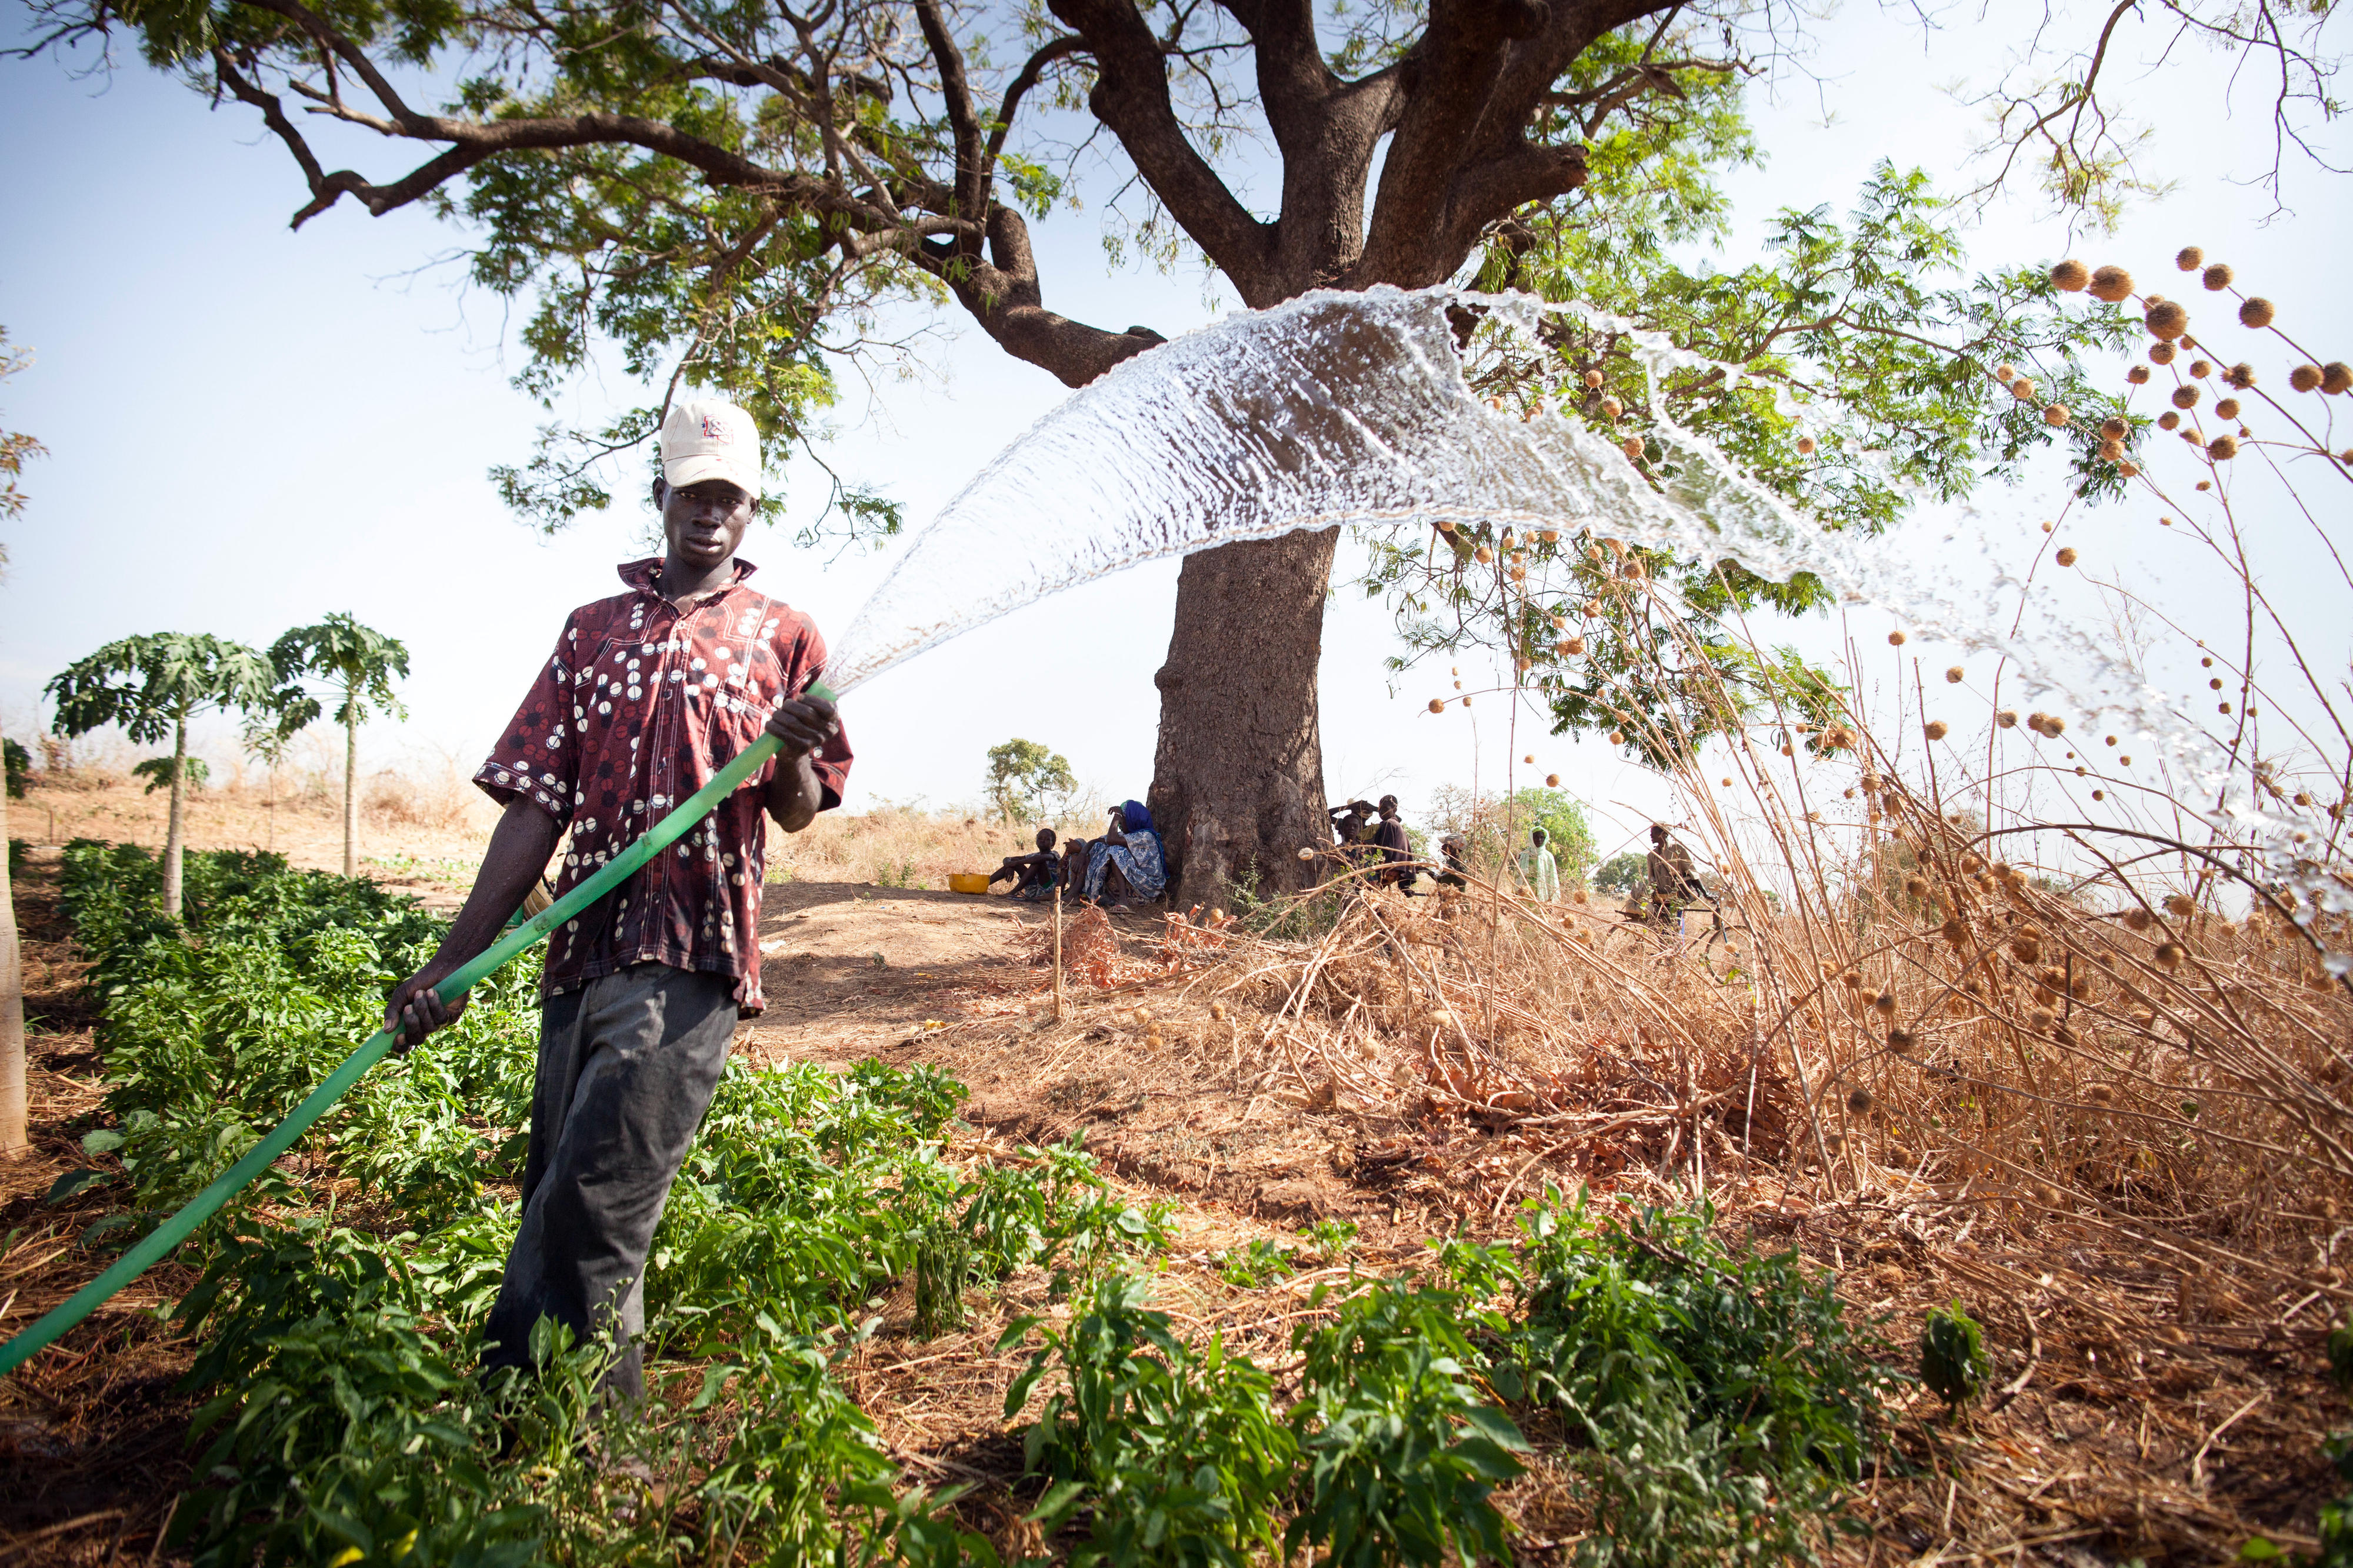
[
  {"x": 520, "y": 847},
  {"x": 794, "y": 793}
]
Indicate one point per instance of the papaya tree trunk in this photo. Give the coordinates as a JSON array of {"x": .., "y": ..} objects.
[
  {"x": 351, "y": 787},
  {"x": 13, "y": 1143},
  {"x": 1237, "y": 776},
  {"x": 172, "y": 829}
]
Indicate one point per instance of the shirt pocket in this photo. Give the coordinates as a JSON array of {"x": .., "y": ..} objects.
[{"x": 739, "y": 683}]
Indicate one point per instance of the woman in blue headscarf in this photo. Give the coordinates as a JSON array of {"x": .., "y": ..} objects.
[{"x": 1125, "y": 862}]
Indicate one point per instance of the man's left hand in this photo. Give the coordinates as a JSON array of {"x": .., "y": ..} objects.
[{"x": 803, "y": 725}]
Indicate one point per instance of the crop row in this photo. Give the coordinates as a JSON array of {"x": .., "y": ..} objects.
[{"x": 1707, "y": 1403}]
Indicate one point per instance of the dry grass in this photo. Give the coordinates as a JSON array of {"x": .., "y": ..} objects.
[{"x": 906, "y": 846}]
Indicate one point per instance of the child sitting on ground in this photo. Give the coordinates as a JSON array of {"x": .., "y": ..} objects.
[{"x": 1037, "y": 874}]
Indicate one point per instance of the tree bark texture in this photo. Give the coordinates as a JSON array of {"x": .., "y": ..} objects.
[
  {"x": 173, "y": 824},
  {"x": 1238, "y": 778},
  {"x": 1237, "y": 773},
  {"x": 352, "y": 790},
  {"x": 13, "y": 1141}
]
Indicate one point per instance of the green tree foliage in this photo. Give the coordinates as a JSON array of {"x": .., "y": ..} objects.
[
  {"x": 1026, "y": 780},
  {"x": 1864, "y": 358},
  {"x": 1567, "y": 833},
  {"x": 19, "y": 766},
  {"x": 162, "y": 772},
  {"x": 356, "y": 665},
  {"x": 1497, "y": 826},
  {"x": 15, "y": 447},
  {"x": 1622, "y": 873},
  {"x": 151, "y": 686}
]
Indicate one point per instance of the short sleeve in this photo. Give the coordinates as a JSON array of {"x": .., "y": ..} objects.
[{"x": 538, "y": 755}]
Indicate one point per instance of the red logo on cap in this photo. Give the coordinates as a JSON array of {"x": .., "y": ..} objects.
[{"x": 714, "y": 429}]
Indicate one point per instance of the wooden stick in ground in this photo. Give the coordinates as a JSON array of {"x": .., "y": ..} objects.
[{"x": 1057, "y": 953}]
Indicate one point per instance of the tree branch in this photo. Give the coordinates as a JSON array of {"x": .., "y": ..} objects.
[{"x": 1131, "y": 97}]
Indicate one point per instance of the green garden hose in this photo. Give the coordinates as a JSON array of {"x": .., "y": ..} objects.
[{"x": 174, "y": 1230}]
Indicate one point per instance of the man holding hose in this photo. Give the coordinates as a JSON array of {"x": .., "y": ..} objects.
[{"x": 649, "y": 695}]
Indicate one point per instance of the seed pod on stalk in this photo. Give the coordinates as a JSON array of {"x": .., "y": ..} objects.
[
  {"x": 2305, "y": 378},
  {"x": 2336, "y": 377},
  {"x": 2217, "y": 276},
  {"x": 2071, "y": 276},
  {"x": 2111, "y": 285},
  {"x": 2255, "y": 312},
  {"x": 2167, "y": 320},
  {"x": 2188, "y": 258}
]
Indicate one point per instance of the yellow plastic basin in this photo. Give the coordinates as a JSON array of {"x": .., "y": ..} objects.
[{"x": 967, "y": 882}]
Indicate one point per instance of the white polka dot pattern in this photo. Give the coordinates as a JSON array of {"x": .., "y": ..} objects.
[{"x": 640, "y": 708}]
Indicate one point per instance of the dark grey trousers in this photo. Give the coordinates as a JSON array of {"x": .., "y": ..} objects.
[{"x": 627, "y": 1064}]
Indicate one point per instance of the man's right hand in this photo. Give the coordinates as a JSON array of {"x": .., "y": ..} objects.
[{"x": 415, "y": 1011}]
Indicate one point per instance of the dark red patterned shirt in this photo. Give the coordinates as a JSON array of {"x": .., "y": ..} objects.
[{"x": 640, "y": 708}]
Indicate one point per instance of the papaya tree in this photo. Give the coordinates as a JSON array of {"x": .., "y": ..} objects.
[
  {"x": 151, "y": 686},
  {"x": 355, "y": 665}
]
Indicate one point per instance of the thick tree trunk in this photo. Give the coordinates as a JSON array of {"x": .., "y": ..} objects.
[
  {"x": 352, "y": 796},
  {"x": 13, "y": 1143},
  {"x": 172, "y": 833},
  {"x": 1238, "y": 779}
]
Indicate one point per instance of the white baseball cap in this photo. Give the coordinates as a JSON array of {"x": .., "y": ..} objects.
[{"x": 704, "y": 438}]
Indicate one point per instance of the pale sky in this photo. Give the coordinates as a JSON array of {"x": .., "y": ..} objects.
[{"x": 249, "y": 427}]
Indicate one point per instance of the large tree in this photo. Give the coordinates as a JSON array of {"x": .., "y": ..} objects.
[{"x": 720, "y": 190}]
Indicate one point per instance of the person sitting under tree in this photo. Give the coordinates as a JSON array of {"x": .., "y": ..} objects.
[
  {"x": 1454, "y": 858},
  {"x": 1394, "y": 848},
  {"x": 1539, "y": 873},
  {"x": 1125, "y": 863},
  {"x": 649, "y": 695},
  {"x": 1674, "y": 880},
  {"x": 1352, "y": 826},
  {"x": 1037, "y": 876}
]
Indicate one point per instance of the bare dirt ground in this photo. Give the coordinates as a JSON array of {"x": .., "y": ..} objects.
[{"x": 2126, "y": 1426}]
